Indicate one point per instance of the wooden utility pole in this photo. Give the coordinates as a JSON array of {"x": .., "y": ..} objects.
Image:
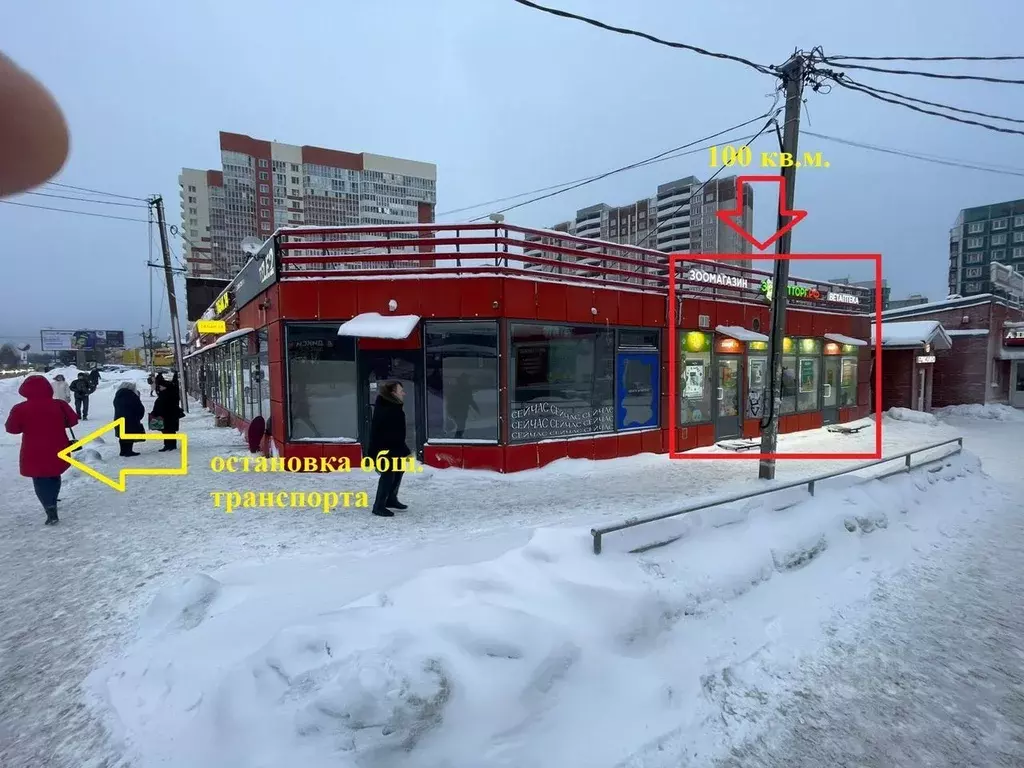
[
  {"x": 172, "y": 302},
  {"x": 793, "y": 77}
]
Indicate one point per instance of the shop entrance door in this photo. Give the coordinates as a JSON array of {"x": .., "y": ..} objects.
[
  {"x": 1017, "y": 384},
  {"x": 728, "y": 423},
  {"x": 830, "y": 391},
  {"x": 378, "y": 366}
]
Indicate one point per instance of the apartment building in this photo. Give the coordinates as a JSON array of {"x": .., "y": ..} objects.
[
  {"x": 981, "y": 236},
  {"x": 264, "y": 185},
  {"x": 670, "y": 221}
]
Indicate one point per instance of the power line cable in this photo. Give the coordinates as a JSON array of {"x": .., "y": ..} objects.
[
  {"x": 87, "y": 200},
  {"x": 916, "y": 73},
  {"x": 926, "y": 58},
  {"x": 635, "y": 33},
  {"x": 94, "y": 191},
  {"x": 934, "y": 103},
  {"x": 645, "y": 161},
  {"x": 68, "y": 210},
  {"x": 937, "y": 159},
  {"x": 869, "y": 92},
  {"x": 652, "y": 232}
]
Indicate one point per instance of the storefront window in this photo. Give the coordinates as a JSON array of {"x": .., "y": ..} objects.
[
  {"x": 694, "y": 377},
  {"x": 638, "y": 379},
  {"x": 563, "y": 382},
  {"x": 462, "y": 381},
  {"x": 808, "y": 367},
  {"x": 848, "y": 381},
  {"x": 757, "y": 379},
  {"x": 322, "y": 386},
  {"x": 264, "y": 378}
]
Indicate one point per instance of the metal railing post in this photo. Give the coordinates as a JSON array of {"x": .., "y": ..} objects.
[
  {"x": 908, "y": 459},
  {"x": 810, "y": 487},
  {"x": 597, "y": 542}
]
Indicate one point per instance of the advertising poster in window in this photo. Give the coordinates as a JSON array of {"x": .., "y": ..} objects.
[
  {"x": 693, "y": 379},
  {"x": 808, "y": 381},
  {"x": 638, "y": 394}
]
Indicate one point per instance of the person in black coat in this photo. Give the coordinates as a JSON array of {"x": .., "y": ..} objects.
[
  {"x": 168, "y": 408},
  {"x": 81, "y": 388},
  {"x": 387, "y": 433},
  {"x": 128, "y": 406}
]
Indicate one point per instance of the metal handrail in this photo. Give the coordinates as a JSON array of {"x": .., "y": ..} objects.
[{"x": 810, "y": 482}]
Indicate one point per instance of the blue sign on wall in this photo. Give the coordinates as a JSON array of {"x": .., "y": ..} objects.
[{"x": 638, "y": 375}]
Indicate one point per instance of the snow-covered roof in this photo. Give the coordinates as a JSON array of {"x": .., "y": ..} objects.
[
  {"x": 200, "y": 351},
  {"x": 968, "y": 332},
  {"x": 740, "y": 334},
  {"x": 842, "y": 339},
  {"x": 914, "y": 333},
  {"x": 932, "y": 306},
  {"x": 372, "y": 325},
  {"x": 233, "y": 335}
]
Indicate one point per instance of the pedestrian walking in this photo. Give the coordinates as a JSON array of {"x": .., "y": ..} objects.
[
  {"x": 387, "y": 433},
  {"x": 166, "y": 414},
  {"x": 42, "y": 421},
  {"x": 94, "y": 378},
  {"x": 61, "y": 390},
  {"x": 152, "y": 385},
  {"x": 128, "y": 406},
  {"x": 81, "y": 388}
]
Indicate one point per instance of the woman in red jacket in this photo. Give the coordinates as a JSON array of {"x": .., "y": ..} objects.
[{"x": 42, "y": 422}]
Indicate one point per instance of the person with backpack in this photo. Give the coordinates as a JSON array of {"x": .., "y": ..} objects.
[
  {"x": 42, "y": 421},
  {"x": 128, "y": 406},
  {"x": 167, "y": 413},
  {"x": 81, "y": 388},
  {"x": 387, "y": 433}
]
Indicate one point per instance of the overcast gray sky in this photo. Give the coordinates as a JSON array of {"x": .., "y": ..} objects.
[{"x": 503, "y": 99}]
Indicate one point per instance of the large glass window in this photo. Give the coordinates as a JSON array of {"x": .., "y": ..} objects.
[
  {"x": 848, "y": 378},
  {"x": 264, "y": 374},
  {"x": 322, "y": 386},
  {"x": 462, "y": 381},
  {"x": 694, "y": 377},
  {"x": 808, "y": 367},
  {"x": 757, "y": 379},
  {"x": 563, "y": 382},
  {"x": 789, "y": 375},
  {"x": 638, "y": 379}
]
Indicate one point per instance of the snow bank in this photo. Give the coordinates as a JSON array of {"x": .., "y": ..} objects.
[
  {"x": 915, "y": 417},
  {"x": 994, "y": 411},
  {"x": 544, "y": 656}
]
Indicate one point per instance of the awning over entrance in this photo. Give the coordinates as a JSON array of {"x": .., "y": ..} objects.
[
  {"x": 371, "y": 325},
  {"x": 740, "y": 334},
  {"x": 232, "y": 336},
  {"x": 913, "y": 334},
  {"x": 841, "y": 339}
]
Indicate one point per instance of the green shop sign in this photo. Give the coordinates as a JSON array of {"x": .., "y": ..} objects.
[{"x": 794, "y": 291}]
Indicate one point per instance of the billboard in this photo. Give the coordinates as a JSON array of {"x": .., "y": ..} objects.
[{"x": 68, "y": 341}]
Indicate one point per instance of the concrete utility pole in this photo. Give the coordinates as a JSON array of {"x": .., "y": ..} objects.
[
  {"x": 793, "y": 75},
  {"x": 172, "y": 301}
]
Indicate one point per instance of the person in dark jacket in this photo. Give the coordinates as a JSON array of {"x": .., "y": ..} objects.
[
  {"x": 81, "y": 388},
  {"x": 42, "y": 421},
  {"x": 94, "y": 378},
  {"x": 167, "y": 408},
  {"x": 387, "y": 433},
  {"x": 128, "y": 406}
]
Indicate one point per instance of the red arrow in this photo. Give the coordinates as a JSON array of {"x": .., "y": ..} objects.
[{"x": 734, "y": 217}]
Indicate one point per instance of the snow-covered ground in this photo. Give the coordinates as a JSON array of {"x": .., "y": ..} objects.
[{"x": 454, "y": 634}]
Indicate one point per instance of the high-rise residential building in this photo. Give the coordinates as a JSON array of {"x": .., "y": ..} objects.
[
  {"x": 980, "y": 236},
  {"x": 265, "y": 185},
  {"x": 872, "y": 286},
  {"x": 670, "y": 221}
]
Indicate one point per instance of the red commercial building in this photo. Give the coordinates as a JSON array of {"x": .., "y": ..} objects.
[{"x": 515, "y": 353}]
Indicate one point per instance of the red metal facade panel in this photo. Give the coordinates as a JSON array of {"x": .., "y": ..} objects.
[
  {"x": 551, "y": 451},
  {"x": 551, "y": 302},
  {"x": 520, "y": 299},
  {"x": 654, "y": 309},
  {"x": 482, "y": 299},
  {"x": 443, "y": 456},
  {"x": 580, "y": 449},
  {"x": 579, "y": 303},
  {"x": 490, "y": 457},
  {"x": 520, "y": 457},
  {"x": 631, "y": 308},
  {"x": 335, "y": 303},
  {"x": 606, "y": 303}
]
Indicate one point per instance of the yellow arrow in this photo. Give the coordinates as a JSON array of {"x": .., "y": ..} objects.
[{"x": 119, "y": 484}]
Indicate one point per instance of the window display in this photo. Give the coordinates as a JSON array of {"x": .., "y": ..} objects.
[
  {"x": 462, "y": 380},
  {"x": 322, "y": 388},
  {"x": 757, "y": 379},
  {"x": 809, "y": 363},
  {"x": 694, "y": 377},
  {"x": 848, "y": 382}
]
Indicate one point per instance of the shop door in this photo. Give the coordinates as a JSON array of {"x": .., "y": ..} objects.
[
  {"x": 830, "y": 391},
  {"x": 1017, "y": 384},
  {"x": 377, "y": 366},
  {"x": 728, "y": 423}
]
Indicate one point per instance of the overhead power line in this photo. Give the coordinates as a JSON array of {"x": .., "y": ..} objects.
[
  {"x": 697, "y": 194},
  {"x": 94, "y": 191},
  {"x": 917, "y": 73},
  {"x": 635, "y": 33},
  {"x": 68, "y": 210},
  {"x": 645, "y": 161},
  {"x": 935, "y": 103},
  {"x": 87, "y": 200},
  {"x": 926, "y": 58},
  {"x": 875, "y": 95},
  {"x": 936, "y": 159}
]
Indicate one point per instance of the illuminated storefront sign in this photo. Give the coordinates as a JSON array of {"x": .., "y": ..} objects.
[
  {"x": 717, "y": 278},
  {"x": 222, "y": 304},
  {"x": 810, "y": 294},
  {"x": 1014, "y": 337}
]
